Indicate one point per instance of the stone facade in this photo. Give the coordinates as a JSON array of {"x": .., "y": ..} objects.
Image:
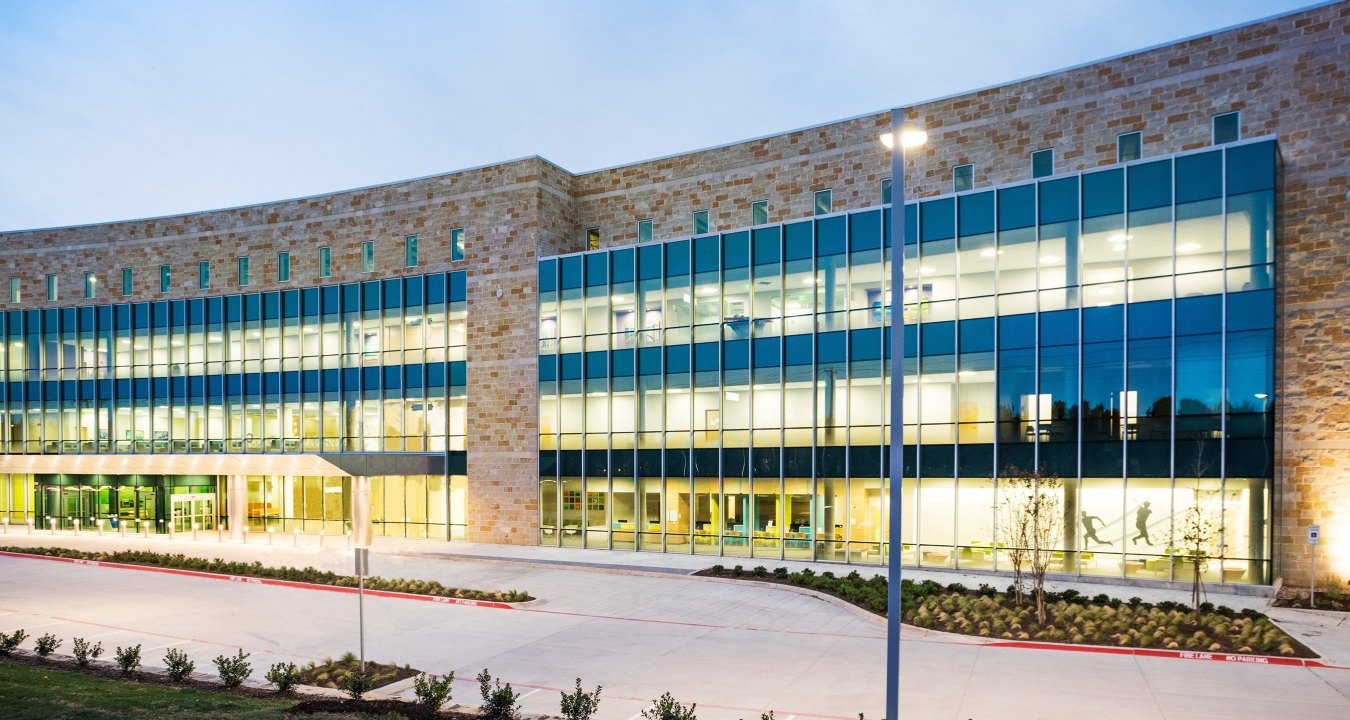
[{"x": 1287, "y": 77}]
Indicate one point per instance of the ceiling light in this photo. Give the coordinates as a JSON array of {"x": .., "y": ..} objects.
[
  {"x": 1188, "y": 247},
  {"x": 1051, "y": 259}
]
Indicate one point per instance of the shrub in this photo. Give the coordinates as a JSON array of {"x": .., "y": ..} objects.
[
  {"x": 284, "y": 675},
  {"x": 580, "y": 705},
  {"x": 233, "y": 670},
  {"x": 84, "y": 652},
  {"x": 128, "y": 658},
  {"x": 665, "y": 708},
  {"x": 357, "y": 684},
  {"x": 46, "y": 645},
  {"x": 9, "y": 642},
  {"x": 177, "y": 665},
  {"x": 499, "y": 703},
  {"x": 738, "y": 571},
  {"x": 718, "y": 569},
  {"x": 433, "y": 691},
  {"x": 782, "y": 573}
]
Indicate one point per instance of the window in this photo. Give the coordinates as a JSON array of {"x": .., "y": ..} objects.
[
  {"x": 283, "y": 267},
  {"x": 51, "y": 288},
  {"x": 126, "y": 281},
  {"x": 963, "y": 177},
  {"x": 90, "y": 285},
  {"x": 457, "y": 244},
  {"x": 593, "y": 239},
  {"x": 1043, "y": 163},
  {"x": 1129, "y": 146},
  {"x": 1227, "y": 128},
  {"x": 203, "y": 274},
  {"x": 14, "y": 295},
  {"x": 367, "y": 256},
  {"x": 824, "y": 202},
  {"x": 242, "y": 272},
  {"x": 410, "y": 251},
  {"x": 325, "y": 262},
  {"x": 885, "y": 191},
  {"x": 644, "y": 231},
  {"x": 759, "y": 212},
  {"x": 700, "y": 222},
  {"x": 165, "y": 278}
]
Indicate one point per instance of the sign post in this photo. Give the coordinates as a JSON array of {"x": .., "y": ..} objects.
[
  {"x": 1314, "y": 539},
  {"x": 362, "y": 570}
]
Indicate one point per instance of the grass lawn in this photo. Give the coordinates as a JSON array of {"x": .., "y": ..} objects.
[{"x": 33, "y": 693}]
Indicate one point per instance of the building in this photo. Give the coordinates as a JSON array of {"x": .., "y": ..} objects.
[{"x": 1129, "y": 274}]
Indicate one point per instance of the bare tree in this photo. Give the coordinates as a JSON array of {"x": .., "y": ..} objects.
[
  {"x": 1198, "y": 526},
  {"x": 1031, "y": 513}
]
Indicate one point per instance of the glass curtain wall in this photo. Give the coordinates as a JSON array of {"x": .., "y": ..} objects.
[{"x": 727, "y": 394}]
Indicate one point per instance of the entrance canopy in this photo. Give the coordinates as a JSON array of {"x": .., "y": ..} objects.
[{"x": 312, "y": 464}]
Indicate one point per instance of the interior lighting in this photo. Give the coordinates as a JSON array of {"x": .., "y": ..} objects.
[
  {"x": 707, "y": 290},
  {"x": 1188, "y": 247},
  {"x": 1051, "y": 259},
  {"x": 619, "y": 298},
  {"x": 808, "y": 281}
]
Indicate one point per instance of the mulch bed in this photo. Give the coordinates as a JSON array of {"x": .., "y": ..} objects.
[
  {"x": 113, "y": 673},
  {"x": 378, "y": 707}
]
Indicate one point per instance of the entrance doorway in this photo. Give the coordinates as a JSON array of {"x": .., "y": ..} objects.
[{"x": 189, "y": 509}]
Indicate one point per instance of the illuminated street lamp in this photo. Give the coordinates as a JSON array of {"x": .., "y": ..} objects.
[{"x": 911, "y": 136}]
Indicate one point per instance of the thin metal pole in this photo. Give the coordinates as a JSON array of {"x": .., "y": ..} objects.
[
  {"x": 1312, "y": 584},
  {"x": 361, "y": 617},
  {"x": 897, "y": 414}
]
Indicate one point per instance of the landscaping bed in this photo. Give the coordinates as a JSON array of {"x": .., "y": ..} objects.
[
  {"x": 257, "y": 569},
  {"x": 1071, "y": 617},
  {"x": 330, "y": 673},
  {"x": 1329, "y": 599}
]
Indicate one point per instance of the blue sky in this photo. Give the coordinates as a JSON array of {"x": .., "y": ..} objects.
[{"x": 113, "y": 110}]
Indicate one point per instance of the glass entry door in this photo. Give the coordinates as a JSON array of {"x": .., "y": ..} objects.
[{"x": 190, "y": 508}]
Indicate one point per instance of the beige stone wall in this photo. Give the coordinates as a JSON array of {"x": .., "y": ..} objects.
[{"x": 1287, "y": 76}]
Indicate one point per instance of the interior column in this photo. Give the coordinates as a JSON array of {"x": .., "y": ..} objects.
[
  {"x": 236, "y": 505},
  {"x": 360, "y": 514}
]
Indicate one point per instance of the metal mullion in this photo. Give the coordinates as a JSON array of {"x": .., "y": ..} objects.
[
  {"x": 1223, "y": 350},
  {"x": 956, "y": 385},
  {"x": 1078, "y": 444},
  {"x": 1125, "y": 359},
  {"x": 998, "y": 355},
  {"x": 1172, "y": 377}
]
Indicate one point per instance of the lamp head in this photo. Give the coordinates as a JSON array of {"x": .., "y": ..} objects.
[{"x": 911, "y": 136}]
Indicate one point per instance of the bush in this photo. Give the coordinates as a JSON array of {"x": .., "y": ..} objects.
[
  {"x": 233, "y": 670},
  {"x": 357, "y": 684},
  {"x": 8, "y": 643},
  {"x": 84, "y": 652},
  {"x": 433, "y": 691},
  {"x": 499, "y": 703},
  {"x": 128, "y": 658},
  {"x": 580, "y": 705},
  {"x": 46, "y": 645},
  {"x": 284, "y": 675},
  {"x": 665, "y": 708},
  {"x": 177, "y": 665}
]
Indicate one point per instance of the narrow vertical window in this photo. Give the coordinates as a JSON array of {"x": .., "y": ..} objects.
[
  {"x": 126, "y": 281},
  {"x": 165, "y": 278},
  {"x": 367, "y": 256},
  {"x": 1227, "y": 128},
  {"x": 759, "y": 212},
  {"x": 1043, "y": 163},
  {"x": 14, "y": 294},
  {"x": 885, "y": 191},
  {"x": 644, "y": 231},
  {"x": 410, "y": 251},
  {"x": 700, "y": 222},
  {"x": 243, "y": 272},
  {"x": 824, "y": 202},
  {"x": 963, "y": 177},
  {"x": 283, "y": 267},
  {"x": 51, "y": 288},
  {"x": 203, "y": 274},
  {"x": 1129, "y": 146},
  {"x": 593, "y": 238},
  {"x": 457, "y": 244},
  {"x": 325, "y": 262},
  {"x": 90, "y": 286}
]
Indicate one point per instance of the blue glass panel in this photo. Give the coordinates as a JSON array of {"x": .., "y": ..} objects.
[
  {"x": 159, "y": 316},
  {"x": 309, "y": 302},
  {"x": 458, "y": 373},
  {"x": 597, "y": 364},
  {"x": 1059, "y": 200},
  {"x": 911, "y": 224},
  {"x": 1102, "y": 324},
  {"x": 736, "y": 355},
  {"x": 1059, "y": 328},
  {"x": 677, "y": 359},
  {"x": 736, "y": 249},
  {"x": 370, "y": 295},
  {"x": 865, "y": 344},
  {"x": 621, "y": 265},
  {"x": 290, "y": 381},
  {"x": 1252, "y": 310},
  {"x": 830, "y": 236},
  {"x": 1200, "y": 176},
  {"x": 177, "y": 315},
  {"x": 412, "y": 294},
  {"x": 351, "y": 298},
  {"x": 677, "y": 258},
  {"x": 1150, "y": 319},
  {"x": 622, "y": 362},
  {"x": 1017, "y": 207},
  {"x": 1103, "y": 193},
  {"x": 939, "y": 219},
  {"x": 649, "y": 361},
  {"x": 705, "y": 357},
  {"x": 911, "y": 338},
  {"x": 571, "y": 366},
  {"x": 393, "y": 293},
  {"x": 976, "y": 213},
  {"x": 351, "y": 379},
  {"x": 1016, "y": 379},
  {"x": 706, "y": 254},
  {"x": 767, "y": 352},
  {"x": 649, "y": 262},
  {"x": 458, "y": 287},
  {"x": 798, "y": 243},
  {"x": 939, "y": 338},
  {"x": 309, "y": 381},
  {"x": 1199, "y": 315},
  {"x": 1251, "y": 168},
  {"x": 1150, "y": 185},
  {"x": 1199, "y": 374},
  {"x": 597, "y": 269},
  {"x": 977, "y": 335},
  {"x": 864, "y": 231},
  {"x": 1016, "y": 331},
  {"x": 548, "y": 275},
  {"x": 768, "y": 244},
  {"x": 571, "y": 272},
  {"x": 331, "y": 299},
  {"x": 797, "y": 350},
  {"x": 830, "y": 347}
]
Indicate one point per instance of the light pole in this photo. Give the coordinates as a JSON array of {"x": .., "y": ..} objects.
[{"x": 901, "y": 136}]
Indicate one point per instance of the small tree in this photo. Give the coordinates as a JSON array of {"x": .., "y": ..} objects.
[
  {"x": 283, "y": 675},
  {"x": 1198, "y": 525},
  {"x": 233, "y": 670},
  {"x": 580, "y": 705},
  {"x": 128, "y": 658},
  {"x": 433, "y": 691},
  {"x": 10, "y": 642},
  {"x": 1031, "y": 513},
  {"x": 86, "y": 653},
  {"x": 499, "y": 703},
  {"x": 177, "y": 665},
  {"x": 666, "y": 708}
]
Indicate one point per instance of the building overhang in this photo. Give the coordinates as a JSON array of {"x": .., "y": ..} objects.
[{"x": 315, "y": 464}]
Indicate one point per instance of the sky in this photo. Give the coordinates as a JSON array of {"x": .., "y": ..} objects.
[{"x": 115, "y": 110}]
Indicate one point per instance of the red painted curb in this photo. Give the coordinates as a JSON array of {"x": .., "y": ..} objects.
[
  {"x": 1175, "y": 654},
  {"x": 494, "y": 604}
]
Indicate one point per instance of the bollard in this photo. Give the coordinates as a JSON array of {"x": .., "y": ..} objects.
[
  {"x": 145, "y": 529},
  {"x": 77, "y": 526},
  {"x": 30, "y": 526},
  {"x": 100, "y": 527},
  {"x": 218, "y": 533},
  {"x": 194, "y": 532},
  {"x": 51, "y": 524},
  {"x": 244, "y": 532},
  {"x": 270, "y": 531},
  {"x": 171, "y": 535},
  {"x": 349, "y": 539},
  {"x": 5, "y": 523},
  {"x": 121, "y": 528},
  {"x": 321, "y": 533}
]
